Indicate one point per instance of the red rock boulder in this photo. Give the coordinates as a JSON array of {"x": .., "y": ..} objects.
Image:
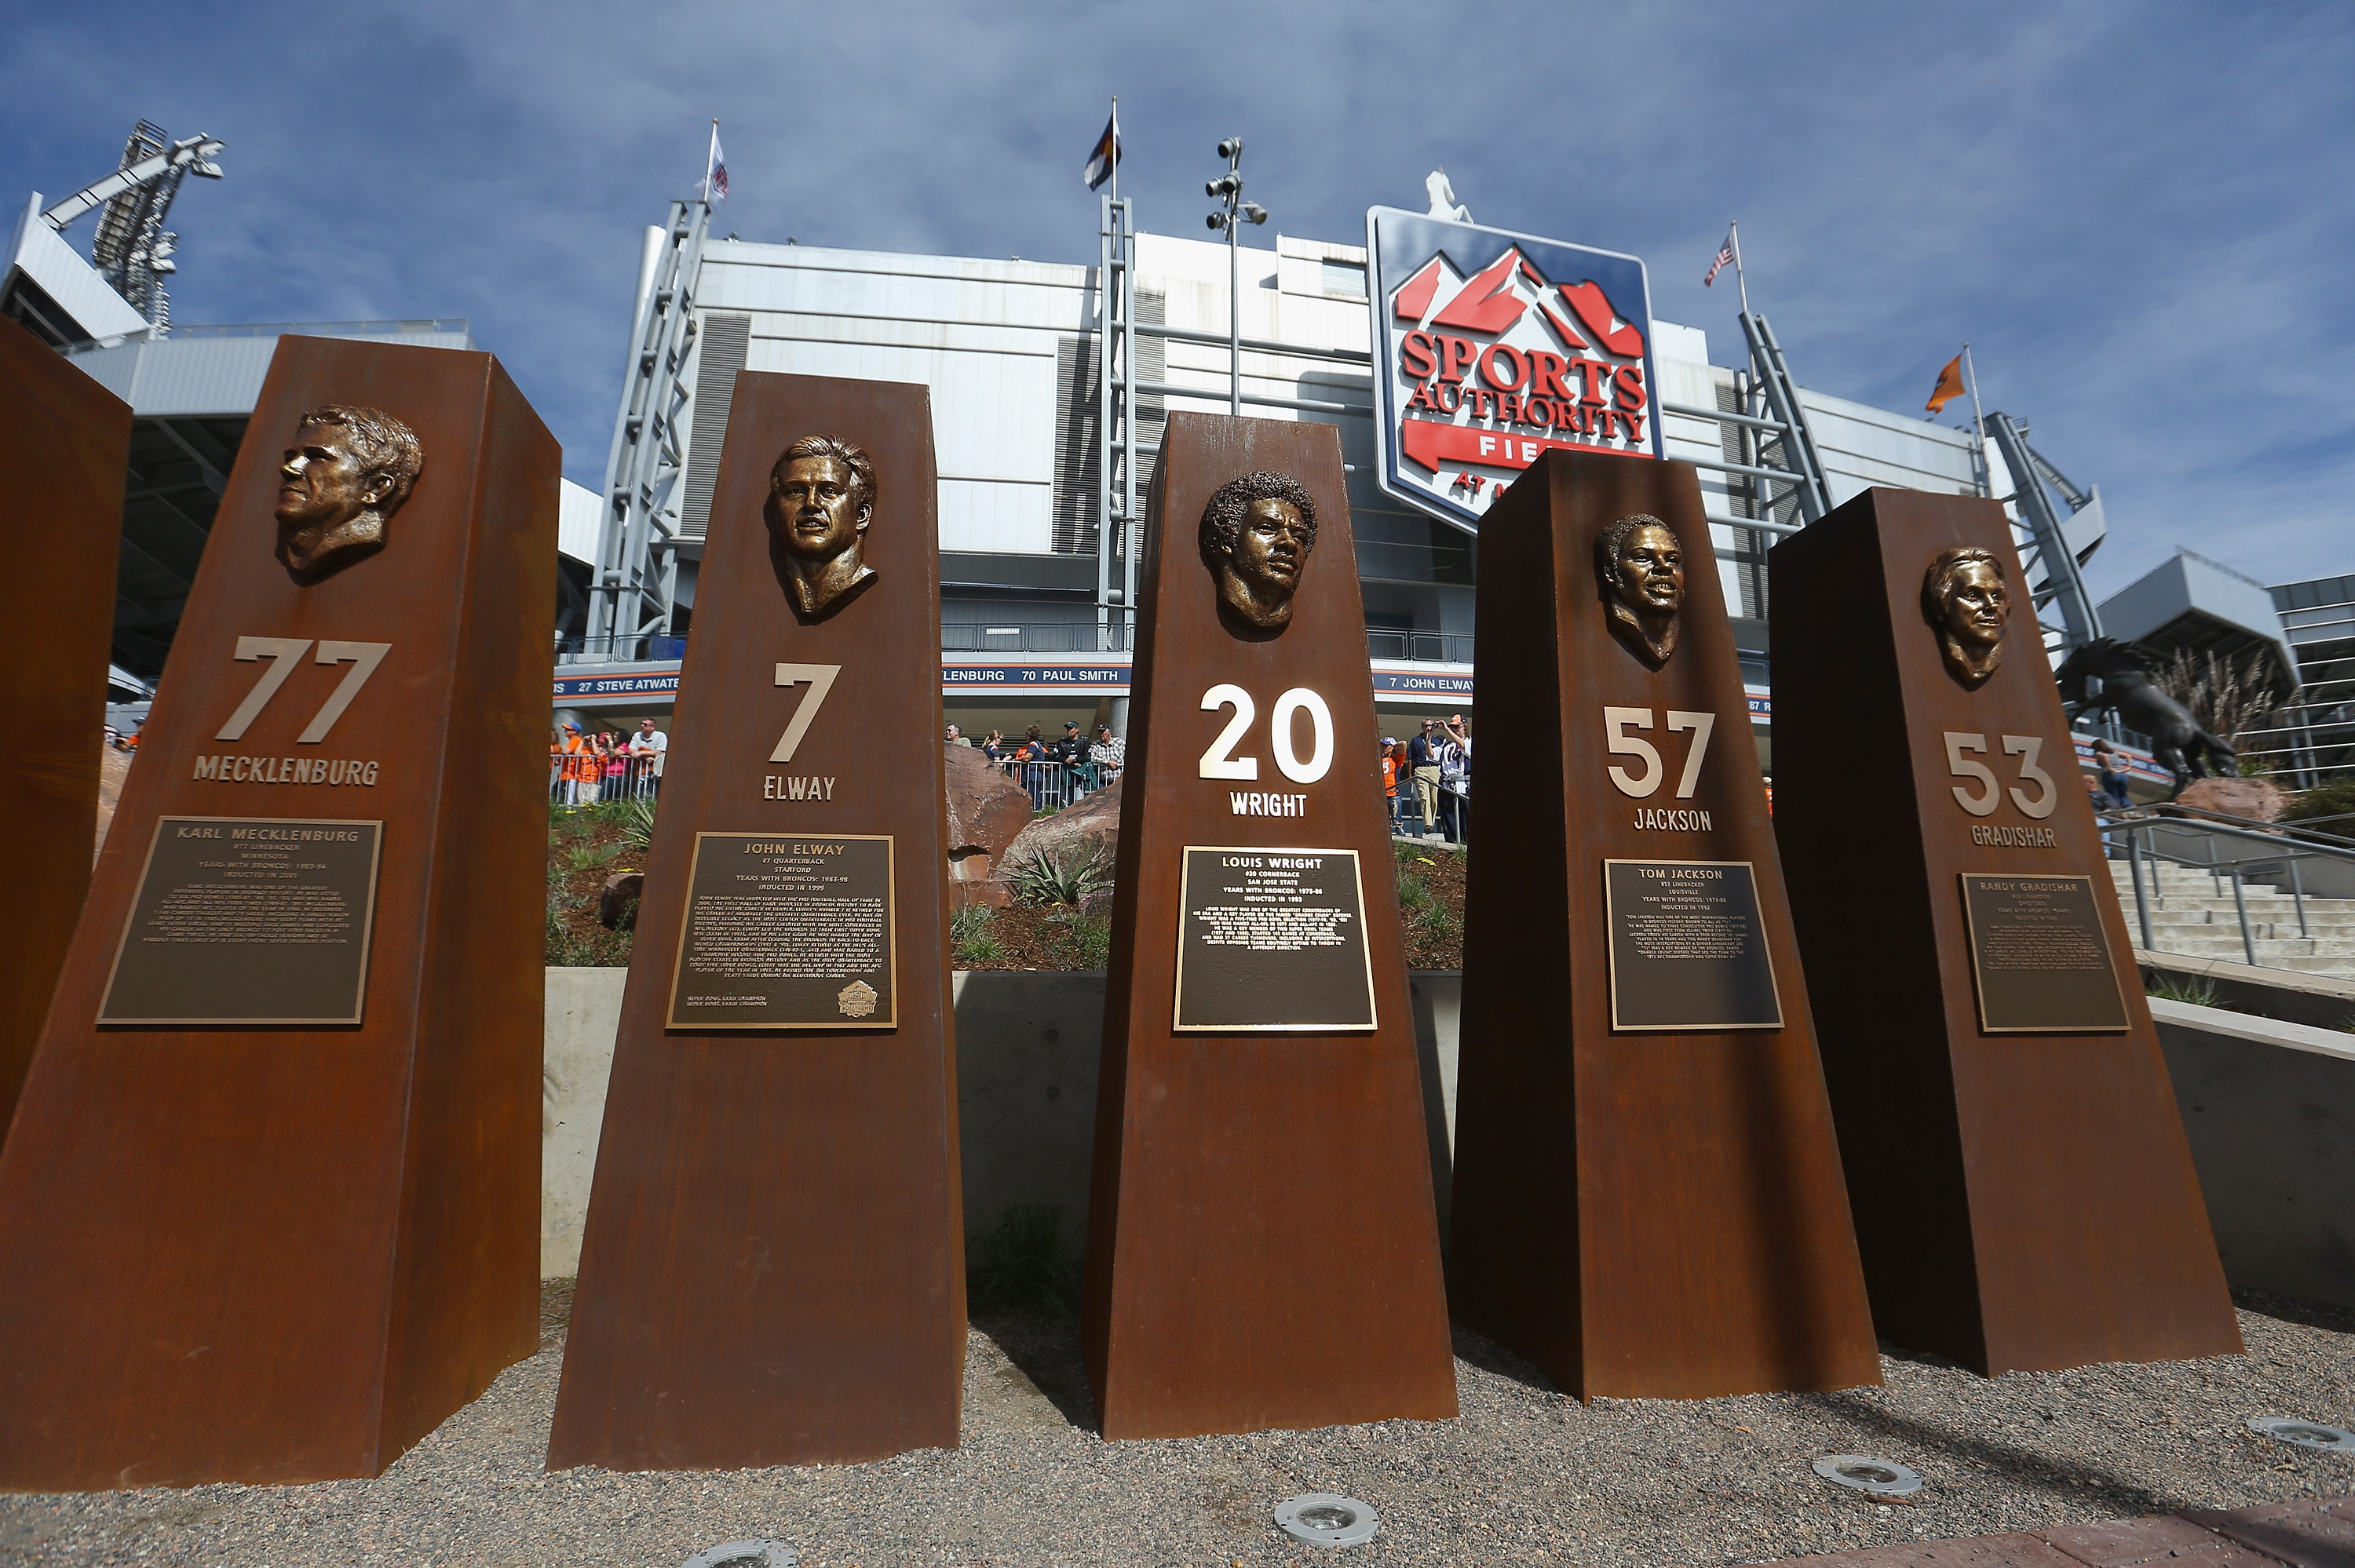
[
  {"x": 2257, "y": 800},
  {"x": 988, "y": 811}
]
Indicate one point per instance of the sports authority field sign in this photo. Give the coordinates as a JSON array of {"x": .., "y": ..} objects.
[{"x": 1492, "y": 347}]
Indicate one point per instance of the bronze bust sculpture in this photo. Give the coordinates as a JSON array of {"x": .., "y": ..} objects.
[
  {"x": 1642, "y": 568},
  {"x": 1257, "y": 534},
  {"x": 820, "y": 498},
  {"x": 1965, "y": 601},
  {"x": 348, "y": 473}
]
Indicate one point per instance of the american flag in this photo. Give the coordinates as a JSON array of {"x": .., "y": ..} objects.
[{"x": 1725, "y": 259}]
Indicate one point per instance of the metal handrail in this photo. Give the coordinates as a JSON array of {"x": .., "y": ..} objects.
[{"x": 2138, "y": 823}]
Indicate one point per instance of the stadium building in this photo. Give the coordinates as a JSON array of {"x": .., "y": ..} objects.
[{"x": 1045, "y": 445}]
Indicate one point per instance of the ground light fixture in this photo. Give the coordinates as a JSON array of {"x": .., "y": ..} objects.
[
  {"x": 1327, "y": 1518},
  {"x": 745, "y": 1554},
  {"x": 1864, "y": 1473},
  {"x": 2304, "y": 1434}
]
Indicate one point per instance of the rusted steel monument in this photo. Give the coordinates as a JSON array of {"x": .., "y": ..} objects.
[
  {"x": 65, "y": 443},
  {"x": 772, "y": 1270},
  {"x": 2024, "y": 1194},
  {"x": 1261, "y": 1246},
  {"x": 1647, "y": 1198},
  {"x": 270, "y": 1211}
]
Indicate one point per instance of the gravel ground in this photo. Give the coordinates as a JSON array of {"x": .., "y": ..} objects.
[{"x": 1525, "y": 1475}]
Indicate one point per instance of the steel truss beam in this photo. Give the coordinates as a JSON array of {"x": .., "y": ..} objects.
[{"x": 633, "y": 588}]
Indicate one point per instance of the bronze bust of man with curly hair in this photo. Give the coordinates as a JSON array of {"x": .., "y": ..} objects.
[{"x": 1257, "y": 534}]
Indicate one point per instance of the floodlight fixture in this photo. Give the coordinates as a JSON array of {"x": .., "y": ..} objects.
[
  {"x": 1255, "y": 212},
  {"x": 1231, "y": 148}
]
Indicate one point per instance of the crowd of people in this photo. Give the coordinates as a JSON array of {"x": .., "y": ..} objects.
[
  {"x": 587, "y": 768},
  {"x": 1056, "y": 772},
  {"x": 1428, "y": 780}
]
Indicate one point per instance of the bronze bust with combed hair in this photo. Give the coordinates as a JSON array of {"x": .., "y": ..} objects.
[
  {"x": 1641, "y": 570},
  {"x": 1966, "y": 602},
  {"x": 821, "y": 499},
  {"x": 1257, "y": 534},
  {"x": 348, "y": 473}
]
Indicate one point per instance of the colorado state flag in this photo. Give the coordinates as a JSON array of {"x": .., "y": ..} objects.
[{"x": 1107, "y": 154}]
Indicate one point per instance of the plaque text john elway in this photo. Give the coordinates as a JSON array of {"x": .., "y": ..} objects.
[{"x": 787, "y": 931}]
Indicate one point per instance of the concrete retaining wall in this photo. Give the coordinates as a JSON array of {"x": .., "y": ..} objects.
[
  {"x": 2269, "y": 1107},
  {"x": 1027, "y": 1043},
  {"x": 584, "y": 1012}
]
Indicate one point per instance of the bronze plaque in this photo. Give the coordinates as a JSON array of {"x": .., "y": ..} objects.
[
  {"x": 1272, "y": 940},
  {"x": 1688, "y": 950},
  {"x": 787, "y": 931},
  {"x": 2040, "y": 959},
  {"x": 247, "y": 920}
]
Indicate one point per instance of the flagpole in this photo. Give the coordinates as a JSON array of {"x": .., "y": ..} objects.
[
  {"x": 710, "y": 154},
  {"x": 1979, "y": 423},
  {"x": 1734, "y": 229},
  {"x": 1115, "y": 147}
]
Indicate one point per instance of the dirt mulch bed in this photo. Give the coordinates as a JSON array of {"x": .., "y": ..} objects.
[
  {"x": 1028, "y": 936},
  {"x": 583, "y": 850},
  {"x": 1431, "y": 905}
]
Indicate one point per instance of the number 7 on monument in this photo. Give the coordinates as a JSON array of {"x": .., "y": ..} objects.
[{"x": 821, "y": 681}]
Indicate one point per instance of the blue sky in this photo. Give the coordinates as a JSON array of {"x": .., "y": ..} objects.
[{"x": 2140, "y": 215}]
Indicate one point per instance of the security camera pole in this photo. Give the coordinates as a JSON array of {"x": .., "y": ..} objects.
[{"x": 1230, "y": 185}]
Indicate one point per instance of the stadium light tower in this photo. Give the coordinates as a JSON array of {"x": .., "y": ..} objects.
[{"x": 1229, "y": 185}]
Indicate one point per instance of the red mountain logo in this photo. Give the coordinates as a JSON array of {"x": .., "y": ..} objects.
[{"x": 1499, "y": 373}]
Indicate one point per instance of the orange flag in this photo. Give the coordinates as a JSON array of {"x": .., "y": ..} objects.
[{"x": 1950, "y": 386}]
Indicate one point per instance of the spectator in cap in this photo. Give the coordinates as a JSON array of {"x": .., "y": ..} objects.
[
  {"x": 1071, "y": 751},
  {"x": 1423, "y": 766},
  {"x": 579, "y": 766}
]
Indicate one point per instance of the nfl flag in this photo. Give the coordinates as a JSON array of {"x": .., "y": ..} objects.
[
  {"x": 1107, "y": 154},
  {"x": 1725, "y": 259},
  {"x": 715, "y": 173}
]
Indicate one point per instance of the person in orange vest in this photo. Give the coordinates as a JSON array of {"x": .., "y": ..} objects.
[{"x": 580, "y": 767}]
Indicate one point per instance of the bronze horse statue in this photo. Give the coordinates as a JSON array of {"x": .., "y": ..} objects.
[{"x": 2181, "y": 747}]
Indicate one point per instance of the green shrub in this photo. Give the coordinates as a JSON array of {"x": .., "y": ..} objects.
[
  {"x": 588, "y": 857},
  {"x": 635, "y": 816},
  {"x": 1438, "y": 921},
  {"x": 2179, "y": 988},
  {"x": 1064, "y": 878},
  {"x": 969, "y": 939},
  {"x": 2334, "y": 799},
  {"x": 1023, "y": 1265},
  {"x": 1085, "y": 939}
]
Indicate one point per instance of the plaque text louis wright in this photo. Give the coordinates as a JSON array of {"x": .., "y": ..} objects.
[{"x": 1272, "y": 940}]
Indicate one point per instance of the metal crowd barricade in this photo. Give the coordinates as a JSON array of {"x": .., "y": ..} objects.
[
  {"x": 2221, "y": 846},
  {"x": 1052, "y": 785},
  {"x": 581, "y": 779}
]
